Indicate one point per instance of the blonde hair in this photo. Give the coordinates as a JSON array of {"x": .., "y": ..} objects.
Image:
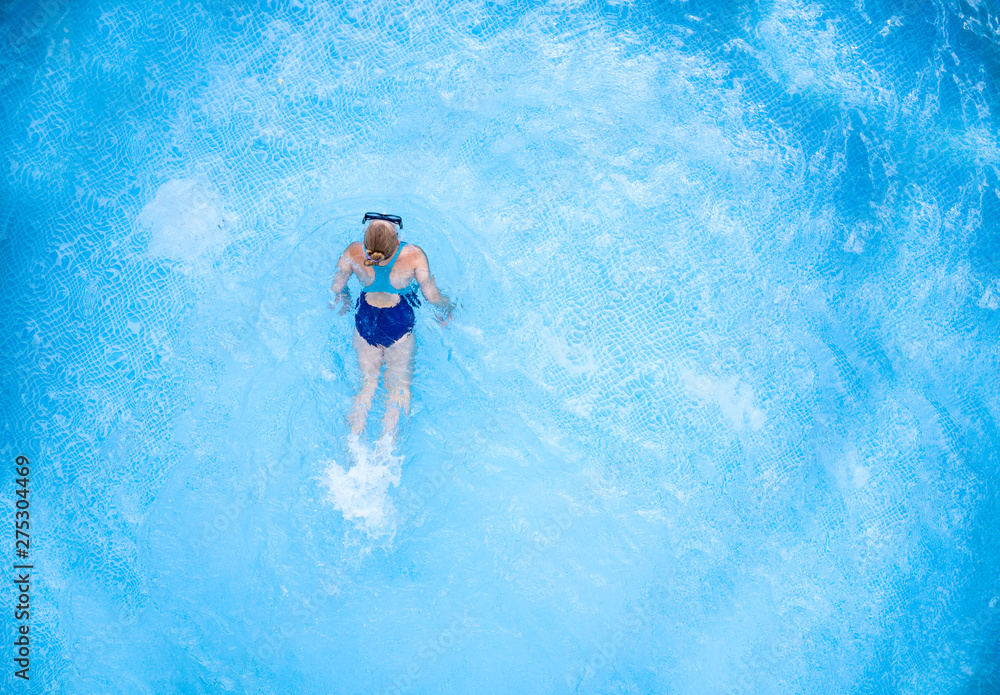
[{"x": 381, "y": 241}]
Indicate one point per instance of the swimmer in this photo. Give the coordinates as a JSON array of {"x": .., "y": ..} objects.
[{"x": 383, "y": 335}]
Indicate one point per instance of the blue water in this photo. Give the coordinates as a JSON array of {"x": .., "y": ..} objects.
[{"x": 718, "y": 412}]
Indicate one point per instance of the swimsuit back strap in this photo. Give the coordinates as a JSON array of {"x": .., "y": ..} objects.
[
  {"x": 381, "y": 282},
  {"x": 395, "y": 257}
]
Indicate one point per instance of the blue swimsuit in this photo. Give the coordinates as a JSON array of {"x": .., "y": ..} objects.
[{"x": 383, "y": 327}]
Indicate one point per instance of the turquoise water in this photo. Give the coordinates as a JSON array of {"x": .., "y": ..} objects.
[{"x": 717, "y": 413}]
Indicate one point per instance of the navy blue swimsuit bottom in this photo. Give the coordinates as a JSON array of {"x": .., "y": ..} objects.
[{"x": 383, "y": 327}]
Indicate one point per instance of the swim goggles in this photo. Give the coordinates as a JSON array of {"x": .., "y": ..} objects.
[{"x": 395, "y": 219}]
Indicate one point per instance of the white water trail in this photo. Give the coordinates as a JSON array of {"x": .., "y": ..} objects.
[{"x": 361, "y": 491}]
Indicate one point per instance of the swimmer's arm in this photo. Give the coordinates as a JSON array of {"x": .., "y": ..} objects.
[
  {"x": 339, "y": 286},
  {"x": 422, "y": 272}
]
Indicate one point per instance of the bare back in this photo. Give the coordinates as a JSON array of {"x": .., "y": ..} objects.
[{"x": 411, "y": 265}]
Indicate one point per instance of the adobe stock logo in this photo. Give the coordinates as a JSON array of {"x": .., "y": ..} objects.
[
  {"x": 32, "y": 24},
  {"x": 430, "y": 651}
]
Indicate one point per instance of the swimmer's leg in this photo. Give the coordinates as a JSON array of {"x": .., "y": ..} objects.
[
  {"x": 398, "y": 377},
  {"x": 370, "y": 362}
]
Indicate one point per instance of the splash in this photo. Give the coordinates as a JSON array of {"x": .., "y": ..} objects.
[{"x": 361, "y": 491}]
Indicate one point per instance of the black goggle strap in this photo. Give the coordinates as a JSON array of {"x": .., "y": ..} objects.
[{"x": 395, "y": 219}]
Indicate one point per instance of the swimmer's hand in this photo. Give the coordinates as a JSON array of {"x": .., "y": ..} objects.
[
  {"x": 343, "y": 302},
  {"x": 445, "y": 315}
]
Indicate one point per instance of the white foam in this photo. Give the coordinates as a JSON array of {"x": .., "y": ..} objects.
[
  {"x": 735, "y": 400},
  {"x": 991, "y": 297},
  {"x": 188, "y": 221},
  {"x": 361, "y": 492},
  {"x": 858, "y": 238}
]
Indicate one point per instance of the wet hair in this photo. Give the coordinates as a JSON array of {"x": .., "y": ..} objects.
[{"x": 381, "y": 241}]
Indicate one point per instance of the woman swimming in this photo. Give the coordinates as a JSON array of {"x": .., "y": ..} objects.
[{"x": 386, "y": 268}]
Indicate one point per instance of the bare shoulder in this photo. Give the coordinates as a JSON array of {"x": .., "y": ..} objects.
[
  {"x": 355, "y": 251},
  {"x": 413, "y": 256}
]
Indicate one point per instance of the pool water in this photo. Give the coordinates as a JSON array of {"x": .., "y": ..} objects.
[{"x": 718, "y": 411}]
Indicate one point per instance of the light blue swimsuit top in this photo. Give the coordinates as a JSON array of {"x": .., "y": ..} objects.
[{"x": 381, "y": 283}]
